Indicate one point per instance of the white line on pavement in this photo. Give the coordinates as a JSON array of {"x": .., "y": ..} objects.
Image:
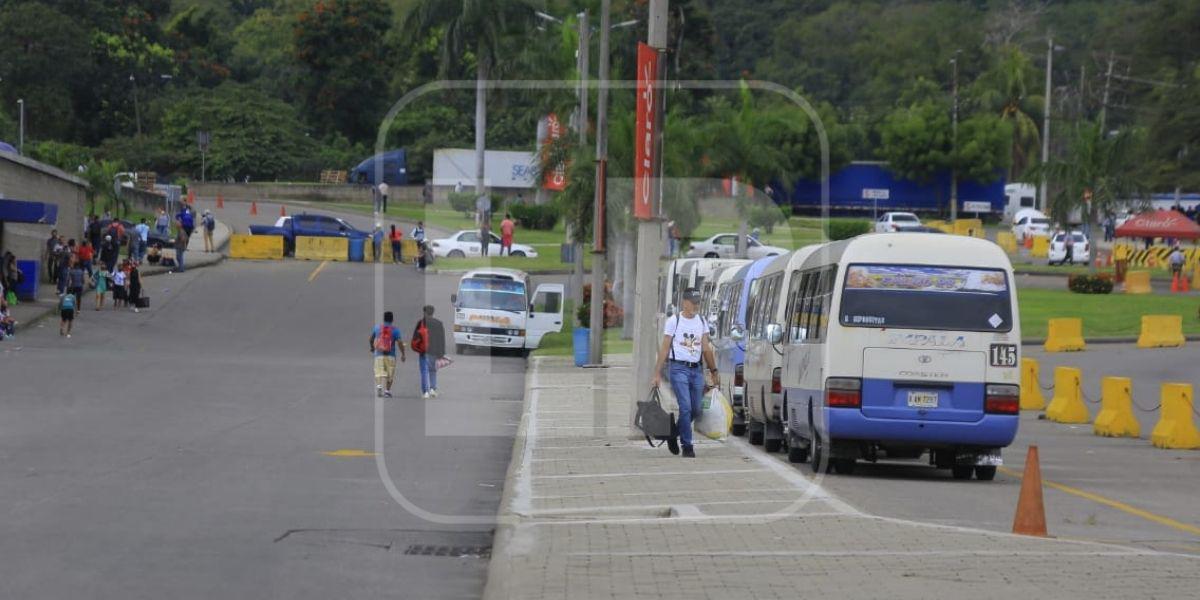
[
  {"x": 649, "y": 473},
  {"x": 860, "y": 553},
  {"x": 659, "y": 493},
  {"x": 812, "y": 490}
]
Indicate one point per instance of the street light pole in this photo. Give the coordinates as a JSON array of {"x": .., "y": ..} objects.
[
  {"x": 599, "y": 251},
  {"x": 582, "y": 123},
  {"x": 954, "y": 140},
  {"x": 1046, "y": 122},
  {"x": 21, "y": 127}
]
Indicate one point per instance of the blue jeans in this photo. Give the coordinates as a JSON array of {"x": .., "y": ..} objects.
[
  {"x": 428, "y": 366},
  {"x": 179, "y": 259},
  {"x": 688, "y": 385}
]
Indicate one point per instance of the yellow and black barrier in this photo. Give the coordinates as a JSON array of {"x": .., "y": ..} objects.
[
  {"x": 1157, "y": 256},
  {"x": 322, "y": 248},
  {"x": 1031, "y": 388},
  {"x": 1176, "y": 430},
  {"x": 259, "y": 247},
  {"x": 1115, "y": 418},
  {"x": 969, "y": 227},
  {"x": 1041, "y": 247},
  {"x": 1161, "y": 331},
  {"x": 1137, "y": 282},
  {"x": 1067, "y": 405},
  {"x": 1065, "y": 335},
  {"x": 1008, "y": 241},
  {"x": 385, "y": 251}
]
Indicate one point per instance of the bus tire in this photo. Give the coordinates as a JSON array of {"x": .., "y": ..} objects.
[
  {"x": 796, "y": 452},
  {"x": 772, "y": 445},
  {"x": 985, "y": 472},
  {"x": 756, "y": 433},
  {"x": 817, "y": 452},
  {"x": 738, "y": 429},
  {"x": 961, "y": 471}
]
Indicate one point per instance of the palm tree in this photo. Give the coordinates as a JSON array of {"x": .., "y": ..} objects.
[
  {"x": 474, "y": 30},
  {"x": 1003, "y": 90}
]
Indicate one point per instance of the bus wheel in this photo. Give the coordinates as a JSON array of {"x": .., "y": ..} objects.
[
  {"x": 817, "y": 451},
  {"x": 844, "y": 466},
  {"x": 962, "y": 471},
  {"x": 772, "y": 445},
  {"x": 756, "y": 432},
  {"x": 738, "y": 429},
  {"x": 797, "y": 453},
  {"x": 985, "y": 472}
]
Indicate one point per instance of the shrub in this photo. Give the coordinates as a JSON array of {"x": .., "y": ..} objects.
[
  {"x": 766, "y": 217},
  {"x": 844, "y": 230},
  {"x": 463, "y": 202},
  {"x": 1090, "y": 284},
  {"x": 535, "y": 216}
]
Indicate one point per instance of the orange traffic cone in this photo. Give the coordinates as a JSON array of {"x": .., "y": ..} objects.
[
  {"x": 253, "y": 208},
  {"x": 220, "y": 201},
  {"x": 1028, "y": 242},
  {"x": 1175, "y": 283},
  {"x": 1031, "y": 511},
  {"x": 282, "y": 210}
]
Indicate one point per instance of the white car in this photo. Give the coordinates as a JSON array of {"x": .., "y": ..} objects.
[
  {"x": 466, "y": 243},
  {"x": 724, "y": 245},
  {"x": 1029, "y": 222},
  {"x": 896, "y": 221},
  {"x": 1081, "y": 254}
]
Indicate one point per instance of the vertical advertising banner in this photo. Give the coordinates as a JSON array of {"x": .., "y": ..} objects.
[
  {"x": 645, "y": 129},
  {"x": 556, "y": 179}
]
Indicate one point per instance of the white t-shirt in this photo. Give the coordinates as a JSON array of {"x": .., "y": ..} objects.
[
  {"x": 118, "y": 278},
  {"x": 686, "y": 344}
]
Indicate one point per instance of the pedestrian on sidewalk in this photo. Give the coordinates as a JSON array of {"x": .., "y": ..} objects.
[
  {"x": 1069, "y": 248},
  {"x": 396, "y": 236},
  {"x": 185, "y": 220},
  {"x": 385, "y": 339},
  {"x": 48, "y": 257},
  {"x": 429, "y": 342},
  {"x": 1176, "y": 260},
  {"x": 120, "y": 281},
  {"x": 485, "y": 236},
  {"x": 507, "y": 228},
  {"x": 66, "y": 311},
  {"x": 210, "y": 223},
  {"x": 422, "y": 256},
  {"x": 11, "y": 275},
  {"x": 86, "y": 255},
  {"x": 181, "y": 242},
  {"x": 101, "y": 283},
  {"x": 377, "y": 242},
  {"x": 383, "y": 194},
  {"x": 8, "y": 325},
  {"x": 135, "y": 285},
  {"x": 162, "y": 223},
  {"x": 685, "y": 342},
  {"x": 418, "y": 232},
  {"x": 76, "y": 279},
  {"x": 108, "y": 253},
  {"x": 143, "y": 239}
]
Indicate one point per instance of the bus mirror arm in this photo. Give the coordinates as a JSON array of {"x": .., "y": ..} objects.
[{"x": 454, "y": 299}]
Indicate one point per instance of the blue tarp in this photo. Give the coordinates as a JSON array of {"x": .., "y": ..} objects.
[{"x": 24, "y": 211}]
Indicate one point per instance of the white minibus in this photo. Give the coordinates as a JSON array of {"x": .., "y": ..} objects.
[{"x": 494, "y": 309}]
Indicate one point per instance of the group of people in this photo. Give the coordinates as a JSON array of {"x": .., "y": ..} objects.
[
  {"x": 508, "y": 228},
  {"x": 395, "y": 237},
  {"x": 124, "y": 281},
  {"x": 428, "y": 341}
]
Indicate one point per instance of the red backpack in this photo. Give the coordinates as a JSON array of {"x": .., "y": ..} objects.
[
  {"x": 420, "y": 339},
  {"x": 386, "y": 339}
]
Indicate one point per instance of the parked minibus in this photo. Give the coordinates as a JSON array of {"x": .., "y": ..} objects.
[
  {"x": 893, "y": 346},
  {"x": 493, "y": 309},
  {"x": 684, "y": 273},
  {"x": 729, "y": 327}
]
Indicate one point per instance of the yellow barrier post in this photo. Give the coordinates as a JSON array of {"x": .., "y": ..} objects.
[
  {"x": 1161, "y": 331},
  {"x": 1041, "y": 247},
  {"x": 322, "y": 248},
  {"x": 1137, "y": 282},
  {"x": 369, "y": 251},
  {"x": 1065, "y": 335},
  {"x": 1006, "y": 240},
  {"x": 408, "y": 249},
  {"x": 1115, "y": 418},
  {"x": 1031, "y": 387},
  {"x": 969, "y": 227},
  {"x": 1067, "y": 405},
  {"x": 263, "y": 247},
  {"x": 1175, "y": 429}
]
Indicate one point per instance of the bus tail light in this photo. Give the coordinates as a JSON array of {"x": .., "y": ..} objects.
[
  {"x": 739, "y": 379},
  {"x": 843, "y": 392},
  {"x": 1002, "y": 399},
  {"x": 776, "y": 383}
]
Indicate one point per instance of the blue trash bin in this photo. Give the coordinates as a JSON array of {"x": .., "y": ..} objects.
[
  {"x": 27, "y": 289},
  {"x": 357, "y": 249},
  {"x": 580, "y": 342}
]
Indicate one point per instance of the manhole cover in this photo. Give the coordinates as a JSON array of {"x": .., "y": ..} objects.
[{"x": 449, "y": 551}]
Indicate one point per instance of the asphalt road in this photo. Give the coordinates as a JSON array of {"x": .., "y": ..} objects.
[{"x": 180, "y": 452}]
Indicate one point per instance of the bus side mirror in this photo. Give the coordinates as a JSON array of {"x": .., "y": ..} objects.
[
  {"x": 454, "y": 299},
  {"x": 774, "y": 333},
  {"x": 737, "y": 333}
]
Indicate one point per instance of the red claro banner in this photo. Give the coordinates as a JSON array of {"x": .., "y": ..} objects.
[
  {"x": 643, "y": 154},
  {"x": 556, "y": 179}
]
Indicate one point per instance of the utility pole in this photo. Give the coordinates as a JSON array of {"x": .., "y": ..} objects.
[
  {"x": 1107, "y": 86},
  {"x": 21, "y": 127},
  {"x": 954, "y": 139},
  {"x": 1046, "y": 122},
  {"x": 649, "y": 233},
  {"x": 582, "y": 123},
  {"x": 599, "y": 250}
]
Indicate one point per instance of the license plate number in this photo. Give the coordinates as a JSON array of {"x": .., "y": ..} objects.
[{"x": 923, "y": 399}]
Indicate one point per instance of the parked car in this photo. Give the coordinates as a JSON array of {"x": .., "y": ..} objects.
[
  {"x": 896, "y": 221},
  {"x": 724, "y": 245},
  {"x": 1058, "y": 248},
  {"x": 466, "y": 243},
  {"x": 309, "y": 226},
  {"x": 1029, "y": 222},
  {"x": 151, "y": 239}
]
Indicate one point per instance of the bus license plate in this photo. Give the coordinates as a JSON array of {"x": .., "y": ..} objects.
[{"x": 923, "y": 399}]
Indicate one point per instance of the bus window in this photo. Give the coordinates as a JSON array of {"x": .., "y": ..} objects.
[
  {"x": 925, "y": 297},
  {"x": 822, "y": 298},
  {"x": 800, "y": 308}
]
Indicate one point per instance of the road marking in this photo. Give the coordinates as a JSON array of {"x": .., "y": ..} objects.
[
  {"x": 1109, "y": 502},
  {"x": 349, "y": 453},
  {"x": 317, "y": 271}
]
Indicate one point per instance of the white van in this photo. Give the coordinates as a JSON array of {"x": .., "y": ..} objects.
[
  {"x": 494, "y": 309},
  {"x": 1018, "y": 197},
  {"x": 894, "y": 345},
  {"x": 684, "y": 273}
]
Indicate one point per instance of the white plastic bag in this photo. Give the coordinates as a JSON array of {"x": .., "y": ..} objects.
[{"x": 717, "y": 419}]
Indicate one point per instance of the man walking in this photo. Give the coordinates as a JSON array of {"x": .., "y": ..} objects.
[
  {"x": 181, "y": 242},
  {"x": 162, "y": 223},
  {"x": 485, "y": 236},
  {"x": 385, "y": 339},
  {"x": 507, "y": 228},
  {"x": 143, "y": 238},
  {"x": 76, "y": 278},
  {"x": 383, "y": 192},
  {"x": 685, "y": 341},
  {"x": 429, "y": 342},
  {"x": 210, "y": 224}
]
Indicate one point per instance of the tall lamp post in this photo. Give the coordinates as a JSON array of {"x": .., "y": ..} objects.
[
  {"x": 1042, "y": 185},
  {"x": 954, "y": 138}
]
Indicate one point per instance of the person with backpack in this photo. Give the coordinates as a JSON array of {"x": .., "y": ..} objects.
[
  {"x": 385, "y": 339},
  {"x": 66, "y": 310},
  {"x": 210, "y": 223},
  {"x": 686, "y": 344},
  {"x": 429, "y": 342},
  {"x": 185, "y": 220}
]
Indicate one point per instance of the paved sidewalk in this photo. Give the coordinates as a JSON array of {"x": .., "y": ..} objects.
[{"x": 589, "y": 512}]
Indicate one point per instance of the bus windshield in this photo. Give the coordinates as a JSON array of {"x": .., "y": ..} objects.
[
  {"x": 492, "y": 294},
  {"x": 925, "y": 297}
]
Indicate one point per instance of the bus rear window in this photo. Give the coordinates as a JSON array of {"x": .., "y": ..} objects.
[{"x": 924, "y": 297}]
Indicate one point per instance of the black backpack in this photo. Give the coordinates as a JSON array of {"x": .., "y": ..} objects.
[{"x": 656, "y": 423}]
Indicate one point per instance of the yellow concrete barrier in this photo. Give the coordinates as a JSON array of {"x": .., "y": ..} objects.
[
  {"x": 409, "y": 248},
  {"x": 1137, "y": 282},
  {"x": 1031, "y": 387},
  {"x": 969, "y": 227},
  {"x": 936, "y": 224},
  {"x": 1065, "y": 335},
  {"x": 1161, "y": 331},
  {"x": 1175, "y": 429},
  {"x": 1041, "y": 247},
  {"x": 255, "y": 246},
  {"x": 1115, "y": 418},
  {"x": 1008, "y": 241},
  {"x": 322, "y": 248},
  {"x": 369, "y": 251},
  {"x": 1067, "y": 405}
]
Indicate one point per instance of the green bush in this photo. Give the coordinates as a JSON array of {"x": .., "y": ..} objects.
[
  {"x": 535, "y": 216},
  {"x": 1090, "y": 284},
  {"x": 463, "y": 202},
  {"x": 766, "y": 217},
  {"x": 844, "y": 230}
]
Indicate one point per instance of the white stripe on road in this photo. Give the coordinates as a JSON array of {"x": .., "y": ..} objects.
[{"x": 649, "y": 473}]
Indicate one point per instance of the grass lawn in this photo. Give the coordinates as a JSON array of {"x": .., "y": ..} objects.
[
  {"x": 1104, "y": 315},
  {"x": 562, "y": 344},
  {"x": 1081, "y": 270},
  {"x": 450, "y": 220}
]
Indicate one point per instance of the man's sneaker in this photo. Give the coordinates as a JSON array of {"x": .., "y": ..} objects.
[
  {"x": 673, "y": 445},
  {"x": 688, "y": 452},
  {"x": 425, "y": 395},
  {"x": 433, "y": 393},
  {"x": 379, "y": 391},
  {"x": 387, "y": 393}
]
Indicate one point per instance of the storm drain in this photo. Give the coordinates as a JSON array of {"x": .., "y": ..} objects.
[{"x": 449, "y": 551}]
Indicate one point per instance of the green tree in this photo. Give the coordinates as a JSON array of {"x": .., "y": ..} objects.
[
  {"x": 916, "y": 141},
  {"x": 40, "y": 62},
  {"x": 1004, "y": 90}
]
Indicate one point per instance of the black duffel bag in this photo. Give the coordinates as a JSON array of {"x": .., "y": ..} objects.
[{"x": 656, "y": 423}]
